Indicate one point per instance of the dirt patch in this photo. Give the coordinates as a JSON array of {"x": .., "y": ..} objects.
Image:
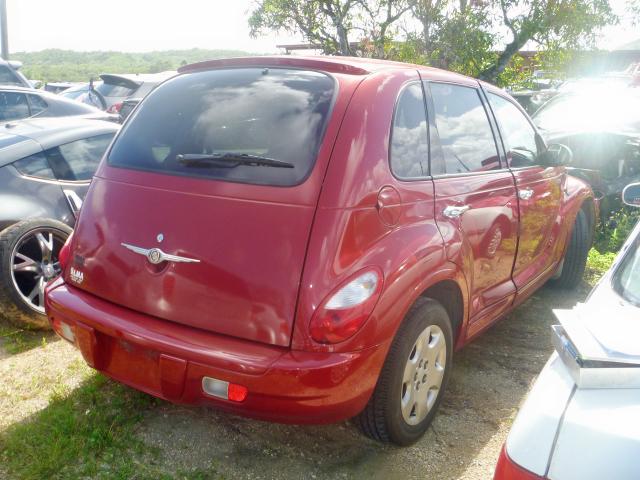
[{"x": 489, "y": 380}]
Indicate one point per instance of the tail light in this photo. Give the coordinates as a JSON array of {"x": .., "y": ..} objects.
[
  {"x": 345, "y": 310},
  {"x": 65, "y": 253},
  {"x": 115, "y": 108},
  {"x": 506, "y": 469}
]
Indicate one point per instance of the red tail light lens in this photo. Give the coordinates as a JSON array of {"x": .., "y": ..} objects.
[
  {"x": 115, "y": 108},
  {"x": 345, "y": 310},
  {"x": 506, "y": 469},
  {"x": 65, "y": 253}
]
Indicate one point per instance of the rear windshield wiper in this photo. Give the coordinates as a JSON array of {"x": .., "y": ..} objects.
[{"x": 229, "y": 160}]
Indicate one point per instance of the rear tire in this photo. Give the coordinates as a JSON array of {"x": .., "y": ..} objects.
[
  {"x": 399, "y": 411},
  {"x": 28, "y": 259},
  {"x": 575, "y": 258}
]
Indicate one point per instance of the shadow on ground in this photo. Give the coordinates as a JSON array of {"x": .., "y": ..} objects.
[{"x": 490, "y": 378}]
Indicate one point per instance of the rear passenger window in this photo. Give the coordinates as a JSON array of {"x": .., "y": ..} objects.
[
  {"x": 519, "y": 135},
  {"x": 78, "y": 161},
  {"x": 13, "y": 106},
  {"x": 35, "y": 166},
  {"x": 464, "y": 130},
  {"x": 409, "y": 145}
]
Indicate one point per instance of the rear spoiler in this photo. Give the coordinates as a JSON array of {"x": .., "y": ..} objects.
[
  {"x": 15, "y": 64},
  {"x": 119, "y": 80}
]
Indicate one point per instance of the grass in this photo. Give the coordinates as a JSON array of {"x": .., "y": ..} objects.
[
  {"x": 17, "y": 340},
  {"x": 89, "y": 432},
  {"x": 597, "y": 264}
]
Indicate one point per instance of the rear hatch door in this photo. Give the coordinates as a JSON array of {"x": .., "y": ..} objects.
[{"x": 188, "y": 175}]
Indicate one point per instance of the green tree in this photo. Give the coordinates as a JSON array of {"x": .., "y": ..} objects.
[
  {"x": 333, "y": 25},
  {"x": 560, "y": 24}
]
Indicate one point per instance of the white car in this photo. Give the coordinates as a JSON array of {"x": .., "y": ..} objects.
[{"x": 581, "y": 419}]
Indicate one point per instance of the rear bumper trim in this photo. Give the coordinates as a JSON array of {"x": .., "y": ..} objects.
[{"x": 169, "y": 360}]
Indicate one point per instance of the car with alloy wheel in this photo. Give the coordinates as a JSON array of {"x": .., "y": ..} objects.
[
  {"x": 307, "y": 240},
  {"x": 585, "y": 403},
  {"x": 46, "y": 166}
]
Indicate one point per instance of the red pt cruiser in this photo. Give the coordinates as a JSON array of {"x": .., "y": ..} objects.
[{"x": 309, "y": 239}]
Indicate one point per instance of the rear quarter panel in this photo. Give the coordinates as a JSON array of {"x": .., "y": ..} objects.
[
  {"x": 22, "y": 198},
  {"x": 349, "y": 233}
]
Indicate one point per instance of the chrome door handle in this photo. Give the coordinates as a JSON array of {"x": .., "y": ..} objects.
[
  {"x": 453, "y": 211},
  {"x": 525, "y": 193}
]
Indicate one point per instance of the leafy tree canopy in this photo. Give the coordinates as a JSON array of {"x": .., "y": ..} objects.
[{"x": 476, "y": 37}]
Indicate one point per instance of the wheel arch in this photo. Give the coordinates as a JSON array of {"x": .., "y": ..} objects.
[{"x": 449, "y": 294}]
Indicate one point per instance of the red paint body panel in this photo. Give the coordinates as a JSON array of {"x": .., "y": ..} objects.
[{"x": 271, "y": 255}]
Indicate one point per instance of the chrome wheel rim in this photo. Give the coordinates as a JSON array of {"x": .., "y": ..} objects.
[
  {"x": 34, "y": 261},
  {"x": 423, "y": 375}
]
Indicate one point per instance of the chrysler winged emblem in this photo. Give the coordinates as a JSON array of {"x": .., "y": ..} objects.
[{"x": 156, "y": 256}]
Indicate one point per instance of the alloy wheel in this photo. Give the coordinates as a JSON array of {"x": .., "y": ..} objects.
[
  {"x": 34, "y": 262},
  {"x": 423, "y": 375}
]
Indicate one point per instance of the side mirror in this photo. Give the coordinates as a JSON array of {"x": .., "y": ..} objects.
[
  {"x": 556, "y": 155},
  {"x": 631, "y": 195}
]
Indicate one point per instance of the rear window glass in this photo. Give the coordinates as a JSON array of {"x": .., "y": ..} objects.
[
  {"x": 259, "y": 115},
  {"x": 112, "y": 90}
]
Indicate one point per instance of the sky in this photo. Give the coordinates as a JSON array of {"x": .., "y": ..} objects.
[{"x": 147, "y": 25}]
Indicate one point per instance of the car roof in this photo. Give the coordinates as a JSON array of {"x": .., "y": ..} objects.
[
  {"x": 20, "y": 88},
  {"x": 346, "y": 65},
  {"x": 26, "y": 137},
  {"x": 139, "y": 78}
]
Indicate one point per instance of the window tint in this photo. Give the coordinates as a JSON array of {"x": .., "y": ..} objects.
[
  {"x": 7, "y": 77},
  {"x": 112, "y": 90},
  {"x": 13, "y": 106},
  {"x": 35, "y": 166},
  {"x": 409, "y": 145},
  {"x": 518, "y": 134},
  {"x": 274, "y": 113},
  {"x": 37, "y": 104},
  {"x": 78, "y": 161},
  {"x": 463, "y": 128}
]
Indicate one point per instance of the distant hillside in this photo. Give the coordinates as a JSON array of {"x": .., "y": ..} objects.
[{"x": 66, "y": 65}]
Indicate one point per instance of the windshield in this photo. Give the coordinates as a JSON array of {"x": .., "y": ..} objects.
[
  {"x": 626, "y": 280},
  {"x": 274, "y": 113},
  {"x": 597, "y": 110}
]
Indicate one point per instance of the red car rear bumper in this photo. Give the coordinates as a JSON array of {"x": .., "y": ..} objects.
[{"x": 169, "y": 360}]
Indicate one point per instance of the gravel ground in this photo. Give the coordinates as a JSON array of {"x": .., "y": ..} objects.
[{"x": 490, "y": 378}]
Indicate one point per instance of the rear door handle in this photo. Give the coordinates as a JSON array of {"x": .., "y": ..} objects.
[
  {"x": 453, "y": 211},
  {"x": 525, "y": 193}
]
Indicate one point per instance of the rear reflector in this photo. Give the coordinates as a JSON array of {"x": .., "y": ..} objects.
[
  {"x": 64, "y": 330},
  {"x": 225, "y": 390}
]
